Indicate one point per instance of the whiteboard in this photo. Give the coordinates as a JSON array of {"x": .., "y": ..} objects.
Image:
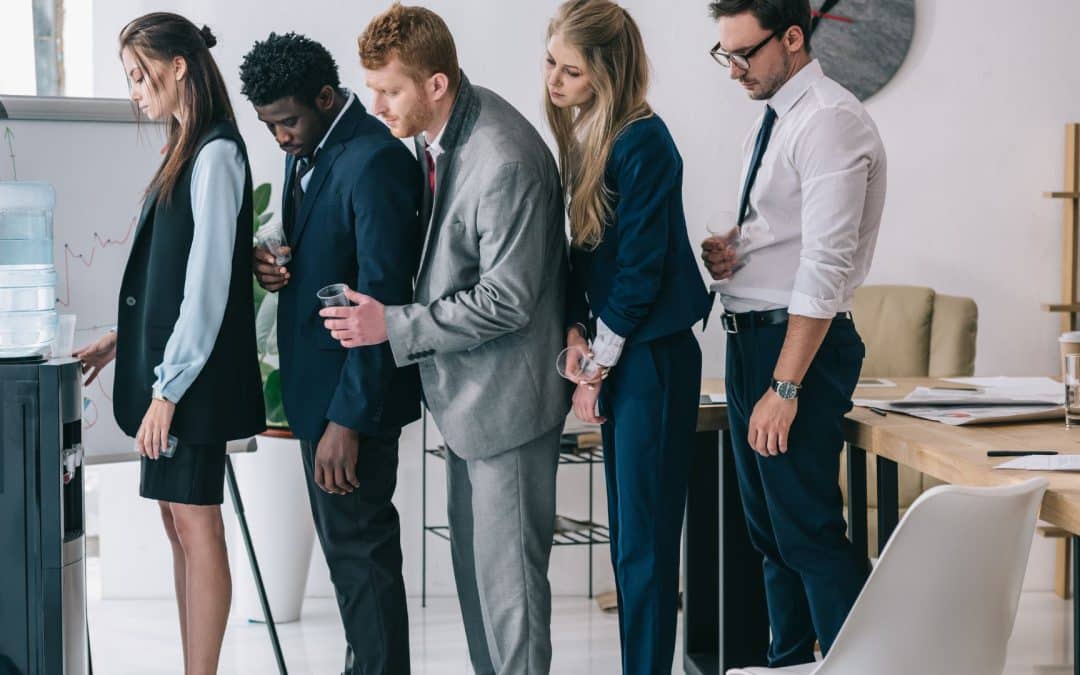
[{"x": 100, "y": 171}]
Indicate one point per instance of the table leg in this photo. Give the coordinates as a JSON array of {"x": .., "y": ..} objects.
[
  {"x": 856, "y": 483},
  {"x": 1076, "y": 604},
  {"x": 725, "y": 618},
  {"x": 888, "y": 500}
]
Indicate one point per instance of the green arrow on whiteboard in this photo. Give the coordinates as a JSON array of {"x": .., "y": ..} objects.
[{"x": 9, "y": 137}]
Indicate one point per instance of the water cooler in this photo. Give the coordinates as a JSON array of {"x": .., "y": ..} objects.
[
  {"x": 42, "y": 541},
  {"x": 43, "y": 628}
]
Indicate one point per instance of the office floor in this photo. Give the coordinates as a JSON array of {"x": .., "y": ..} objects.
[{"x": 139, "y": 638}]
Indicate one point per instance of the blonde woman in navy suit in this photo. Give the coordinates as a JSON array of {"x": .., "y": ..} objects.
[{"x": 635, "y": 288}]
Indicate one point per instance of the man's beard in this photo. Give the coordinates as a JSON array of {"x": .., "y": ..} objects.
[{"x": 773, "y": 83}]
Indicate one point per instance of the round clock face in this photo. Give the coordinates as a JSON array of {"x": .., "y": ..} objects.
[{"x": 861, "y": 43}]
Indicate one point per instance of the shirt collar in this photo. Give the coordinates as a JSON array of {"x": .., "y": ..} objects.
[
  {"x": 792, "y": 90},
  {"x": 435, "y": 146},
  {"x": 348, "y": 102}
]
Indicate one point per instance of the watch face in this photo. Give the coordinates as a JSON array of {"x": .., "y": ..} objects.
[
  {"x": 787, "y": 390},
  {"x": 862, "y": 43}
]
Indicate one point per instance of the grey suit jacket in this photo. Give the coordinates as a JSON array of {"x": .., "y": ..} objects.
[{"x": 488, "y": 317}]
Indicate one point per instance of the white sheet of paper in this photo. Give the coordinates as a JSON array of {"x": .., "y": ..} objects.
[
  {"x": 717, "y": 398},
  {"x": 1043, "y": 463}
]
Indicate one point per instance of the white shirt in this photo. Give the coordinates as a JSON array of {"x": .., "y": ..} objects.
[
  {"x": 306, "y": 179},
  {"x": 816, "y": 205},
  {"x": 435, "y": 146},
  {"x": 217, "y": 193}
]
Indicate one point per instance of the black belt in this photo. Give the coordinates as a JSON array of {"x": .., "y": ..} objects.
[{"x": 734, "y": 323}]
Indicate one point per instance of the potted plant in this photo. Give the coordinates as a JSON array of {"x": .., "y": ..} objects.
[{"x": 272, "y": 480}]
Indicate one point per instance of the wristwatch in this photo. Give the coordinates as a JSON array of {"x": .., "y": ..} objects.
[{"x": 789, "y": 391}]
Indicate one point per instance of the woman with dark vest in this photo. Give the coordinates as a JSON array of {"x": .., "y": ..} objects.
[
  {"x": 635, "y": 287},
  {"x": 186, "y": 363}
]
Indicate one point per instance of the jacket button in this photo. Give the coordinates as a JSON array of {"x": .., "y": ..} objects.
[{"x": 130, "y": 301}]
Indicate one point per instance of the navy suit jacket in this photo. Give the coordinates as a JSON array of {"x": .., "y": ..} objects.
[
  {"x": 643, "y": 279},
  {"x": 359, "y": 224}
]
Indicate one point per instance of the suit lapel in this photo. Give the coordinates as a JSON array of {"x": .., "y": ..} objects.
[
  {"x": 324, "y": 164},
  {"x": 345, "y": 129},
  {"x": 462, "y": 117}
]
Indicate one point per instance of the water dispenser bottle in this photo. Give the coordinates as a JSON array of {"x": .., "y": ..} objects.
[{"x": 28, "y": 321}]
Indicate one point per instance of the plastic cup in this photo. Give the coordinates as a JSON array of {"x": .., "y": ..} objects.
[
  {"x": 64, "y": 343},
  {"x": 272, "y": 237},
  {"x": 333, "y": 295},
  {"x": 1070, "y": 344}
]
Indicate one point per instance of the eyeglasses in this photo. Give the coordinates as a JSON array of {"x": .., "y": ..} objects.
[{"x": 742, "y": 60}]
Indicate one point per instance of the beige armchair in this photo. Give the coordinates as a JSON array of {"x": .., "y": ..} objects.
[{"x": 910, "y": 331}]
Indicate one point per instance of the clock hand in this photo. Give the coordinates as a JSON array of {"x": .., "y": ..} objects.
[
  {"x": 826, "y": 7},
  {"x": 832, "y": 17}
]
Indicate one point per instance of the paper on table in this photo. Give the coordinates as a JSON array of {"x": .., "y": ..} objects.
[
  {"x": 718, "y": 398},
  {"x": 875, "y": 383},
  {"x": 1043, "y": 463},
  {"x": 991, "y": 391},
  {"x": 959, "y": 416}
]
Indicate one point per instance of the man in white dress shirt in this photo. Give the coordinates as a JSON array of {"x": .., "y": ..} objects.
[{"x": 813, "y": 189}]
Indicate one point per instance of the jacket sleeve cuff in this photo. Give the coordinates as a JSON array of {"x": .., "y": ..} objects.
[
  {"x": 400, "y": 330},
  {"x": 362, "y": 421},
  {"x": 618, "y": 325}
]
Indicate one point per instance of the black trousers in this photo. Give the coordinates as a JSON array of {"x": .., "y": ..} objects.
[
  {"x": 361, "y": 537},
  {"x": 794, "y": 510}
]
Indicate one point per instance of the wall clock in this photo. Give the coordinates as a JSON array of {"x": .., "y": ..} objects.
[{"x": 862, "y": 43}]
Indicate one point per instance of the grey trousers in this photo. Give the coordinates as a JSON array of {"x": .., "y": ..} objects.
[{"x": 502, "y": 518}]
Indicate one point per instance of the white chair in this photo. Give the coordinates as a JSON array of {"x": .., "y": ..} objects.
[{"x": 942, "y": 599}]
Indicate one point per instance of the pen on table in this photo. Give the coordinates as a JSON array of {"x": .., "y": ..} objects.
[
  {"x": 1018, "y": 453},
  {"x": 955, "y": 388},
  {"x": 877, "y": 411}
]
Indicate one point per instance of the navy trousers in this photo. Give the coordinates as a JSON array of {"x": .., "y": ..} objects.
[
  {"x": 360, "y": 535},
  {"x": 792, "y": 502},
  {"x": 651, "y": 403}
]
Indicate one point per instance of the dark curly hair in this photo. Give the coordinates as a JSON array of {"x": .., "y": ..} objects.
[{"x": 287, "y": 65}]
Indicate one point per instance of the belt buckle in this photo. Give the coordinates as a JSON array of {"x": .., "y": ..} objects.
[{"x": 730, "y": 324}]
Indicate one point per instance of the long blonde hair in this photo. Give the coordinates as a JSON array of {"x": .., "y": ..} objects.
[{"x": 614, "y": 53}]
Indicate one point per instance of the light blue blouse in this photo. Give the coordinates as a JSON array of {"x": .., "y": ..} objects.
[{"x": 217, "y": 193}]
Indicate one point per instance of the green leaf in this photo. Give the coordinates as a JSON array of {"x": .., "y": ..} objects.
[
  {"x": 266, "y": 325},
  {"x": 260, "y": 198},
  {"x": 263, "y": 219},
  {"x": 275, "y": 408},
  {"x": 259, "y": 292},
  {"x": 265, "y": 369}
]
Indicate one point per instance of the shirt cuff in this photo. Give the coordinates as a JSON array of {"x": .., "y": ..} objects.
[
  {"x": 813, "y": 308},
  {"x": 159, "y": 391},
  {"x": 608, "y": 346}
]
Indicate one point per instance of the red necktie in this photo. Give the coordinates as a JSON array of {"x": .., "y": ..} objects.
[{"x": 430, "y": 171}]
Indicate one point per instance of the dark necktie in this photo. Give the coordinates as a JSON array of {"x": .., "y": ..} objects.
[
  {"x": 303, "y": 167},
  {"x": 755, "y": 161},
  {"x": 430, "y": 171}
]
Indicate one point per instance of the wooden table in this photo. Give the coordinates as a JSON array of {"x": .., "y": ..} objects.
[{"x": 951, "y": 454}]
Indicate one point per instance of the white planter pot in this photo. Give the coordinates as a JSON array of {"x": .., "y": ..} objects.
[{"x": 274, "y": 493}]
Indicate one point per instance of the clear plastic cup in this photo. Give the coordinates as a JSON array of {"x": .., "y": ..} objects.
[
  {"x": 333, "y": 295},
  {"x": 575, "y": 364},
  {"x": 65, "y": 337},
  {"x": 272, "y": 237},
  {"x": 170, "y": 446}
]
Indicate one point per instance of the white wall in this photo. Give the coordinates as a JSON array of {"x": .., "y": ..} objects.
[{"x": 973, "y": 124}]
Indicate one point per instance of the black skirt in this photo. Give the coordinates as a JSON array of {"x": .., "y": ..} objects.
[{"x": 194, "y": 475}]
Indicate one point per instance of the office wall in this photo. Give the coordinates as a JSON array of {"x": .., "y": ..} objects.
[{"x": 973, "y": 123}]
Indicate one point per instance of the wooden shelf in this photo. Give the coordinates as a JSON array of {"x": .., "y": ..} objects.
[
  {"x": 1061, "y": 308},
  {"x": 1062, "y": 195}
]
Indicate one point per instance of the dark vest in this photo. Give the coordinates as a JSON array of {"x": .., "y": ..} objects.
[{"x": 225, "y": 401}]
